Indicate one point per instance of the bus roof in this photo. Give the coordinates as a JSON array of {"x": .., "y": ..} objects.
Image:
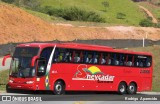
[{"x": 83, "y": 47}]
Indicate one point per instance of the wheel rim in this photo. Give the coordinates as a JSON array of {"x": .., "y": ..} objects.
[
  {"x": 122, "y": 89},
  {"x": 131, "y": 88},
  {"x": 58, "y": 88}
]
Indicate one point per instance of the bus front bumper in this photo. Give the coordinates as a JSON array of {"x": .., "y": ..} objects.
[{"x": 21, "y": 86}]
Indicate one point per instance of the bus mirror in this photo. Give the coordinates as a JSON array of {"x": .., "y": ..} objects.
[
  {"x": 33, "y": 61},
  {"x": 41, "y": 69},
  {"x": 4, "y": 59}
]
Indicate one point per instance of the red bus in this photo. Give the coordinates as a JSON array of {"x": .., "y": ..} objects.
[{"x": 61, "y": 67}]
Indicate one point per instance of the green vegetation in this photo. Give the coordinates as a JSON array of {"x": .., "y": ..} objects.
[
  {"x": 106, "y": 5},
  {"x": 154, "y": 9},
  {"x": 8, "y": 1},
  {"x": 127, "y": 7},
  {"x": 73, "y": 14},
  {"x": 43, "y": 16},
  {"x": 31, "y": 4},
  {"x": 3, "y": 79},
  {"x": 155, "y": 50},
  {"x": 121, "y": 16},
  {"x": 108, "y": 11},
  {"x": 146, "y": 23}
]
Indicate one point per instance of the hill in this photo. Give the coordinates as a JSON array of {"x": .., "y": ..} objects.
[
  {"x": 19, "y": 26},
  {"x": 131, "y": 14},
  {"x": 155, "y": 9}
]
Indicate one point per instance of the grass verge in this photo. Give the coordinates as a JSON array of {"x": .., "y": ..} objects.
[{"x": 3, "y": 79}]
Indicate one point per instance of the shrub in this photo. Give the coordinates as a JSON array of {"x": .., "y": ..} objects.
[
  {"x": 146, "y": 23},
  {"x": 32, "y": 4},
  {"x": 121, "y": 16},
  {"x": 74, "y": 14},
  {"x": 8, "y": 1},
  {"x": 150, "y": 18},
  {"x": 158, "y": 4},
  {"x": 157, "y": 25},
  {"x": 106, "y": 5},
  {"x": 51, "y": 11}
]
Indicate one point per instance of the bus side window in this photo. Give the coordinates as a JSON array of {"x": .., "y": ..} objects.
[
  {"x": 108, "y": 59},
  {"x": 142, "y": 61},
  {"x": 85, "y": 57},
  {"x": 68, "y": 55},
  {"x": 60, "y": 57},
  {"x": 46, "y": 54},
  {"x": 56, "y": 54},
  {"x": 81, "y": 56},
  {"x": 90, "y": 56},
  {"x": 73, "y": 55},
  {"x": 117, "y": 59},
  {"x": 114, "y": 59},
  {"x": 122, "y": 59},
  {"x": 148, "y": 61},
  {"x": 77, "y": 57},
  {"x": 136, "y": 61},
  {"x": 141, "y": 64},
  {"x": 102, "y": 58},
  {"x": 93, "y": 58},
  {"x": 130, "y": 60}
]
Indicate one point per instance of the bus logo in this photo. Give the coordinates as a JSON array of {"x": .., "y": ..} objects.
[{"x": 92, "y": 73}]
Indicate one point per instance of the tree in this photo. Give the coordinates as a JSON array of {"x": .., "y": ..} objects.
[
  {"x": 32, "y": 4},
  {"x": 8, "y": 1},
  {"x": 106, "y": 5}
]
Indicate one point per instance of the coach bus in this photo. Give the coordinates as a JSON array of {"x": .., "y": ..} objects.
[{"x": 61, "y": 67}]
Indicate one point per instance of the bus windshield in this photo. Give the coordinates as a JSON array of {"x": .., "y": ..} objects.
[{"x": 21, "y": 62}]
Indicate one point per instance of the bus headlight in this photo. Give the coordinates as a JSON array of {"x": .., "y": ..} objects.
[
  {"x": 29, "y": 82},
  {"x": 10, "y": 81}
]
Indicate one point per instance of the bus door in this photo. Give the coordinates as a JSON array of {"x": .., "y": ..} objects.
[{"x": 43, "y": 68}]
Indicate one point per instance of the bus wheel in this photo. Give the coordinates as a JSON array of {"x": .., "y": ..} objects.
[
  {"x": 122, "y": 88},
  {"x": 59, "y": 88},
  {"x": 8, "y": 90},
  {"x": 132, "y": 88}
]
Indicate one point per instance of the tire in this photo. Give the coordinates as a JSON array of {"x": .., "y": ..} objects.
[
  {"x": 8, "y": 90},
  {"x": 122, "y": 88},
  {"x": 132, "y": 88},
  {"x": 59, "y": 88}
]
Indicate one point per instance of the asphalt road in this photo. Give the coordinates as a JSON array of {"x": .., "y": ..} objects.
[{"x": 89, "y": 96}]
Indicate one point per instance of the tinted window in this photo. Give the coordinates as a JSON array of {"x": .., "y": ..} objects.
[
  {"x": 25, "y": 52},
  {"x": 62, "y": 55},
  {"x": 142, "y": 61},
  {"x": 103, "y": 58},
  {"x": 129, "y": 60},
  {"x": 46, "y": 54}
]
